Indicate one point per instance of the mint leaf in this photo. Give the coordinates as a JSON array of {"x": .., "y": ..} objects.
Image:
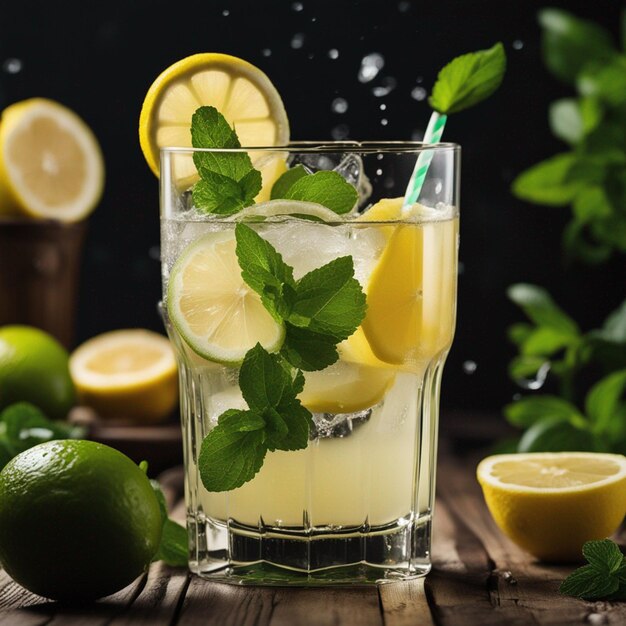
[
  {"x": 329, "y": 300},
  {"x": 264, "y": 270},
  {"x": 299, "y": 421},
  {"x": 538, "y": 305},
  {"x": 329, "y": 189},
  {"x": 603, "y": 399},
  {"x": 548, "y": 182},
  {"x": 570, "y": 43},
  {"x": 526, "y": 411},
  {"x": 468, "y": 79},
  {"x": 263, "y": 380},
  {"x": 554, "y": 434},
  {"x": 308, "y": 350},
  {"x": 233, "y": 452},
  {"x": 286, "y": 180},
  {"x": 589, "y": 583},
  {"x": 604, "y": 555},
  {"x": 229, "y": 181}
]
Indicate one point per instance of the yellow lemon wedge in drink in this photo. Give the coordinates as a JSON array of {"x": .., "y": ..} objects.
[
  {"x": 51, "y": 166},
  {"x": 214, "y": 310},
  {"x": 241, "y": 92},
  {"x": 127, "y": 373},
  {"x": 550, "y": 504}
]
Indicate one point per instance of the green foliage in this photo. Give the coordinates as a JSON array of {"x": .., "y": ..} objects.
[
  {"x": 603, "y": 578},
  {"x": 23, "y": 425},
  {"x": 591, "y": 176},
  {"x": 553, "y": 341}
]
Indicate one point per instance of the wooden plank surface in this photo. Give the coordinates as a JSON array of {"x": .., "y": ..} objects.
[{"x": 479, "y": 578}]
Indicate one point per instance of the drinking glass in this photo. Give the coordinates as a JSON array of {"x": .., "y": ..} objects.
[{"x": 356, "y": 505}]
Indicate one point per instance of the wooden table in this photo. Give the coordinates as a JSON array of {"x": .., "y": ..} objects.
[{"x": 479, "y": 578}]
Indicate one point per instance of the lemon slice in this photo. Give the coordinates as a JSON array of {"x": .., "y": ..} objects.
[
  {"x": 345, "y": 388},
  {"x": 277, "y": 208},
  {"x": 215, "y": 311},
  {"x": 241, "y": 92},
  {"x": 385, "y": 210},
  {"x": 51, "y": 166},
  {"x": 127, "y": 373},
  {"x": 551, "y": 503}
]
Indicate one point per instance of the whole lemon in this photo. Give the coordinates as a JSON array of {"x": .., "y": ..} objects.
[
  {"x": 78, "y": 520},
  {"x": 34, "y": 368}
]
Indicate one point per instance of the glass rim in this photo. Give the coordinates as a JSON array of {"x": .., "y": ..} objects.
[{"x": 327, "y": 147}]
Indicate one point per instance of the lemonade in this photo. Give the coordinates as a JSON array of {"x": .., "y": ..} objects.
[{"x": 356, "y": 503}]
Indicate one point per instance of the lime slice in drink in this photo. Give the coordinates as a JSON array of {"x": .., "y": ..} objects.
[{"x": 215, "y": 311}]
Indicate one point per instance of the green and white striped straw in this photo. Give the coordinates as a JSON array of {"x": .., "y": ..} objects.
[{"x": 433, "y": 134}]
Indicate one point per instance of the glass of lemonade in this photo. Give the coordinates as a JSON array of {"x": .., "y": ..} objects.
[{"x": 355, "y": 505}]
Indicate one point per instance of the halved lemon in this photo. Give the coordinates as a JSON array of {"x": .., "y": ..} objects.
[
  {"x": 127, "y": 374},
  {"x": 214, "y": 310},
  {"x": 550, "y": 503},
  {"x": 241, "y": 92},
  {"x": 51, "y": 166}
]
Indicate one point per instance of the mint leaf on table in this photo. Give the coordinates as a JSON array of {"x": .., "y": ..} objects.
[
  {"x": 468, "y": 79},
  {"x": 327, "y": 188},
  {"x": 229, "y": 182},
  {"x": 173, "y": 548},
  {"x": 603, "y": 578}
]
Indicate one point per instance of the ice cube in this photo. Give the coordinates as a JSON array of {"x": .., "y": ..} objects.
[{"x": 351, "y": 168}]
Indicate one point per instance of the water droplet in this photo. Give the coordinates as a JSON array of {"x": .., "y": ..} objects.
[
  {"x": 388, "y": 84},
  {"x": 339, "y": 105},
  {"x": 469, "y": 367},
  {"x": 297, "y": 6},
  {"x": 384, "y": 122},
  {"x": 538, "y": 381},
  {"x": 12, "y": 66},
  {"x": 314, "y": 19},
  {"x": 418, "y": 93},
  {"x": 508, "y": 577},
  {"x": 518, "y": 44},
  {"x": 225, "y": 12},
  {"x": 383, "y": 107},
  {"x": 417, "y": 134},
  {"x": 297, "y": 41},
  {"x": 155, "y": 253},
  {"x": 310, "y": 56},
  {"x": 380, "y": 157},
  {"x": 266, "y": 52},
  {"x": 339, "y": 132},
  {"x": 389, "y": 183},
  {"x": 419, "y": 80},
  {"x": 371, "y": 64},
  {"x": 379, "y": 172},
  {"x": 333, "y": 53},
  {"x": 404, "y": 6},
  {"x": 438, "y": 187}
]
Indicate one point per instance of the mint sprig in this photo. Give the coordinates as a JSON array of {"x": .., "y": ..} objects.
[
  {"x": 229, "y": 181},
  {"x": 603, "y": 578},
  {"x": 233, "y": 452},
  {"x": 468, "y": 79},
  {"x": 321, "y": 309}
]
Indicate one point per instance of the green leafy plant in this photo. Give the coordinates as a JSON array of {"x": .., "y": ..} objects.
[
  {"x": 604, "y": 577},
  {"x": 590, "y": 176}
]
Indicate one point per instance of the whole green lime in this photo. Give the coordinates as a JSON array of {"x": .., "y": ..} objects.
[
  {"x": 78, "y": 520},
  {"x": 34, "y": 368}
]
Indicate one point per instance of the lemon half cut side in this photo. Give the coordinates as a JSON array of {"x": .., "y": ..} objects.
[
  {"x": 51, "y": 165},
  {"x": 550, "y": 504}
]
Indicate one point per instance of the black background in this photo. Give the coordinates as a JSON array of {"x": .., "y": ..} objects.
[{"x": 100, "y": 58}]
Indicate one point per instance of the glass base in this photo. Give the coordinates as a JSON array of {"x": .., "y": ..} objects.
[{"x": 316, "y": 557}]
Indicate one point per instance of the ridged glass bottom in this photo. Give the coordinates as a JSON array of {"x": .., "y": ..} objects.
[{"x": 283, "y": 556}]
